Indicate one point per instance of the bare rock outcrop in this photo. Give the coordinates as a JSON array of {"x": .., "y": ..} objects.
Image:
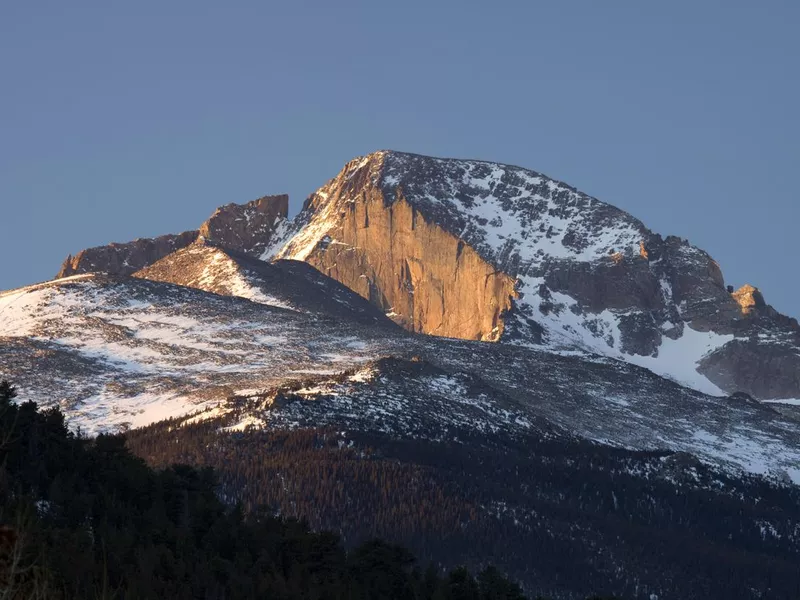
[
  {"x": 750, "y": 299},
  {"x": 125, "y": 258},
  {"x": 243, "y": 227},
  {"x": 421, "y": 275},
  {"x": 764, "y": 368},
  {"x": 247, "y": 227}
]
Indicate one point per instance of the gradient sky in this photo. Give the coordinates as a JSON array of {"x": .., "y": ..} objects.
[{"x": 131, "y": 119}]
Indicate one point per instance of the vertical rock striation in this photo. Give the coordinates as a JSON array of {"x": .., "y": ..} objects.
[{"x": 387, "y": 250}]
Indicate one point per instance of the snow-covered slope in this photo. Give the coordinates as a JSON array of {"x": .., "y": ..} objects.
[
  {"x": 292, "y": 285},
  {"x": 400, "y": 397},
  {"x": 437, "y": 395},
  {"x": 126, "y": 352},
  {"x": 129, "y": 352}
]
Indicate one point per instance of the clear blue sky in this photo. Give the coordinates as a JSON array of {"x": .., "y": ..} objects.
[{"x": 131, "y": 119}]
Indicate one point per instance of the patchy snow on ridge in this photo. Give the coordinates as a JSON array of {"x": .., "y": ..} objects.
[
  {"x": 568, "y": 326},
  {"x": 120, "y": 353},
  {"x": 221, "y": 272},
  {"x": 411, "y": 405},
  {"x": 512, "y": 216}
]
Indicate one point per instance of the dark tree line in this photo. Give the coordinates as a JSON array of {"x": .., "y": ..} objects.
[
  {"x": 119, "y": 517},
  {"x": 85, "y": 518}
]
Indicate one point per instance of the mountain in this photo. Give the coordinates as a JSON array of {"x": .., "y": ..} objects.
[
  {"x": 466, "y": 357},
  {"x": 244, "y": 227},
  {"x": 484, "y": 251},
  {"x": 479, "y": 250}
]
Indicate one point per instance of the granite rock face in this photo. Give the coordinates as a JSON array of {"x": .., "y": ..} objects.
[
  {"x": 750, "y": 299},
  {"x": 421, "y": 275},
  {"x": 243, "y": 227}
]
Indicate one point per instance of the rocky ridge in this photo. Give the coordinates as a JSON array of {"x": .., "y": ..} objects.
[
  {"x": 244, "y": 227},
  {"x": 124, "y": 258}
]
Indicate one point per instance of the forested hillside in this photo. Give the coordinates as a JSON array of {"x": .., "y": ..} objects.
[
  {"x": 565, "y": 516},
  {"x": 85, "y": 518}
]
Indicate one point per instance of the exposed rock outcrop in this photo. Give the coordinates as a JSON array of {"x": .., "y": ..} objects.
[
  {"x": 763, "y": 368},
  {"x": 243, "y": 227},
  {"x": 124, "y": 259},
  {"x": 421, "y": 275},
  {"x": 750, "y": 299},
  {"x": 247, "y": 227}
]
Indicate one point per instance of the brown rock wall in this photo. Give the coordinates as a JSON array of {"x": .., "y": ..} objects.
[
  {"x": 428, "y": 280},
  {"x": 124, "y": 259},
  {"x": 247, "y": 227},
  {"x": 241, "y": 227}
]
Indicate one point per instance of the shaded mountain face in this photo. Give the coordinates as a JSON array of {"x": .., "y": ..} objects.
[
  {"x": 483, "y": 251},
  {"x": 123, "y": 352},
  {"x": 124, "y": 258},
  {"x": 244, "y": 227},
  {"x": 287, "y": 284}
]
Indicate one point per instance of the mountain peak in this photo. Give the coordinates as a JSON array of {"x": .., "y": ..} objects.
[
  {"x": 246, "y": 227},
  {"x": 481, "y": 250}
]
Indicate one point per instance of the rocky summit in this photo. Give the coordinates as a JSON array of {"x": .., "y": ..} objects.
[
  {"x": 478, "y": 250},
  {"x": 469, "y": 358},
  {"x": 244, "y": 227}
]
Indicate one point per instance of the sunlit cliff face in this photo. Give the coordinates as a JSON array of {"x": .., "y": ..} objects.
[{"x": 749, "y": 299}]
